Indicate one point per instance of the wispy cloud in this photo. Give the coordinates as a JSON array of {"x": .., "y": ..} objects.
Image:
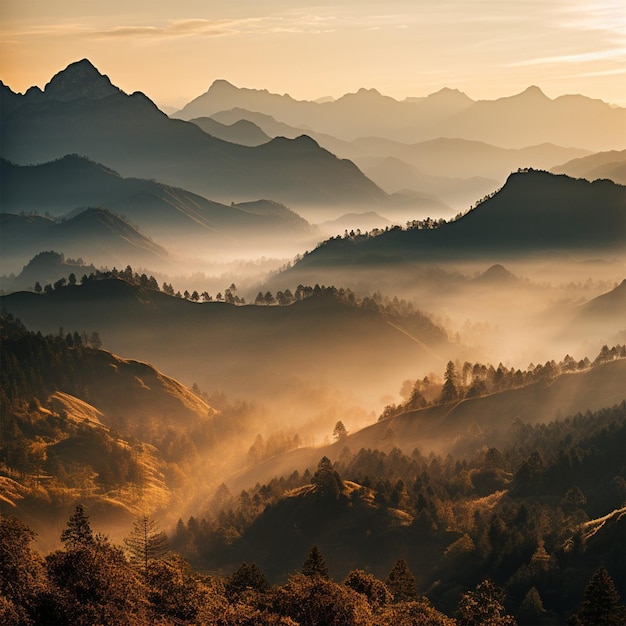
[
  {"x": 173, "y": 28},
  {"x": 575, "y": 57}
]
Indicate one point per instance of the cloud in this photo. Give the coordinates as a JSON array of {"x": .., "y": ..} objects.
[
  {"x": 575, "y": 57},
  {"x": 174, "y": 28}
]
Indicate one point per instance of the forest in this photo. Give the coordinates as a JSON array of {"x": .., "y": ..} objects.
[
  {"x": 90, "y": 580},
  {"x": 521, "y": 529}
]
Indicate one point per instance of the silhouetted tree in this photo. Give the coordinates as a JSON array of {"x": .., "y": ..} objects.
[
  {"x": 326, "y": 479},
  {"x": 601, "y": 603},
  {"x": 314, "y": 565},
  {"x": 146, "y": 541},
  {"x": 401, "y": 582},
  {"x": 78, "y": 532},
  {"x": 339, "y": 432},
  {"x": 449, "y": 391},
  {"x": 247, "y": 577}
]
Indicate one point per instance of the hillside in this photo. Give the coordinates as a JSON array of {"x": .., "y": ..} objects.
[
  {"x": 86, "y": 424},
  {"x": 279, "y": 354},
  {"x": 534, "y": 212},
  {"x": 176, "y": 216},
  {"x": 94, "y": 234},
  {"x": 464, "y": 426},
  {"x": 129, "y": 134}
]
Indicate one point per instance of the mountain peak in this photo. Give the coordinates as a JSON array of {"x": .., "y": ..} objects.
[
  {"x": 533, "y": 92},
  {"x": 79, "y": 80},
  {"x": 221, "y": 84}
]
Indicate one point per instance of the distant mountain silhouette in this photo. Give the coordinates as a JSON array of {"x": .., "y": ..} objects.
[
  {"x": 535, "y": 211},
  {"x": 94, "y": 234},
  {"x": 531, "y": 117},
  {"x": 496, "y": 275},
  {"x": 170, "y": 214},
  {"x": 457, "y": 171},
  {"x": 243, "y": 132},
  {"x": 45, "y": 268},
  {"x": 524, "y": 119},
  {"x": 611, "y": 165},
  {"x": 131, "y": 135}
]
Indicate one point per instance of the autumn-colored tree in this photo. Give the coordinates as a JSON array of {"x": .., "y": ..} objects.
[
  {"x": 483, "y": 607},
  {"x": 368, "y": 585}
]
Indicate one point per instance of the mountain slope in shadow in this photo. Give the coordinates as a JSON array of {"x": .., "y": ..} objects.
[{"x": 130, "y": 134}]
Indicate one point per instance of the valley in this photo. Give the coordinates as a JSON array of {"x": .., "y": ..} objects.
[{"x": 351, "y": 340}]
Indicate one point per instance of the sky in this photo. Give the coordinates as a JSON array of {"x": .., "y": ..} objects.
[{"x": 173, "y": 51}]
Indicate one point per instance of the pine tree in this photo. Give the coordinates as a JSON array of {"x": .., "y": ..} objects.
[
  {"x": 449, "y": 391},
  {"x": 327, "y": 480},
  {"x": 601, "y": 602},
  {"x": 401, "y": 582},
  {"x": 146, "y": 541},
  {"x": 315, "y": 566},
  {"x": 78, "y": 532}
]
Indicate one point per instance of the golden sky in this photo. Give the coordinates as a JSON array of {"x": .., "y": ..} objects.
[{"x": 172, "y": 51}]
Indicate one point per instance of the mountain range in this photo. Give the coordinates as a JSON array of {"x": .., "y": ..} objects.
[
  {"x": 611, "y": 165},
  {"x": 94, "y": 234},
  {"x": 517, "y": 121},
  {"x": 456, "y": 171},
  {"x": 80, "y": 112},
  {"x": 182, "y": 220}
]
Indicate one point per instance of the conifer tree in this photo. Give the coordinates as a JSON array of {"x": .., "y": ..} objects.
[
  {"x": 401, "y": 582},
  {"x": 78, "y": 532},
  {"x": 601, "y": 602},
  {"x": 146, "y": 541},
  {"x": 315, "y": 566}
]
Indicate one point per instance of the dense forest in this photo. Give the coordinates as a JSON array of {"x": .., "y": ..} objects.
[
  {"x": 89, "y": 580},
  {"x": 540, "y": 515}
]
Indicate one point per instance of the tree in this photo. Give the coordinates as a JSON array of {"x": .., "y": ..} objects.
[
  {"x": 21, "y": 572},
  {"x": 483, "y": 607},
  {"x": 327, "y": 480},
  {"x": 319, "y": 602},
  {"x": 314, "y": 565},
  {"x": 38, "y": 288},
  {"x": 368, "y": 585},
  {"x": 339, "y": 432},
  {"x": 93, "y": 584},
  {"x": 146, "y": 541},
  {"x": 449, "y": 392},
  {"x": 247, "y": 577},
  {"x": 78, "y": 532},
  {"x": 601, "y": 602},
  {"x": 531, "y": 610},
  {"x": 401, "y": 582}
]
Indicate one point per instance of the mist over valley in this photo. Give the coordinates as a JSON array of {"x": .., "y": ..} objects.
[{"x": 356, "y": 360}]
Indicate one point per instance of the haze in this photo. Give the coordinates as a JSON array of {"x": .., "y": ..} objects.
[{"x": 173, "y": 52}]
